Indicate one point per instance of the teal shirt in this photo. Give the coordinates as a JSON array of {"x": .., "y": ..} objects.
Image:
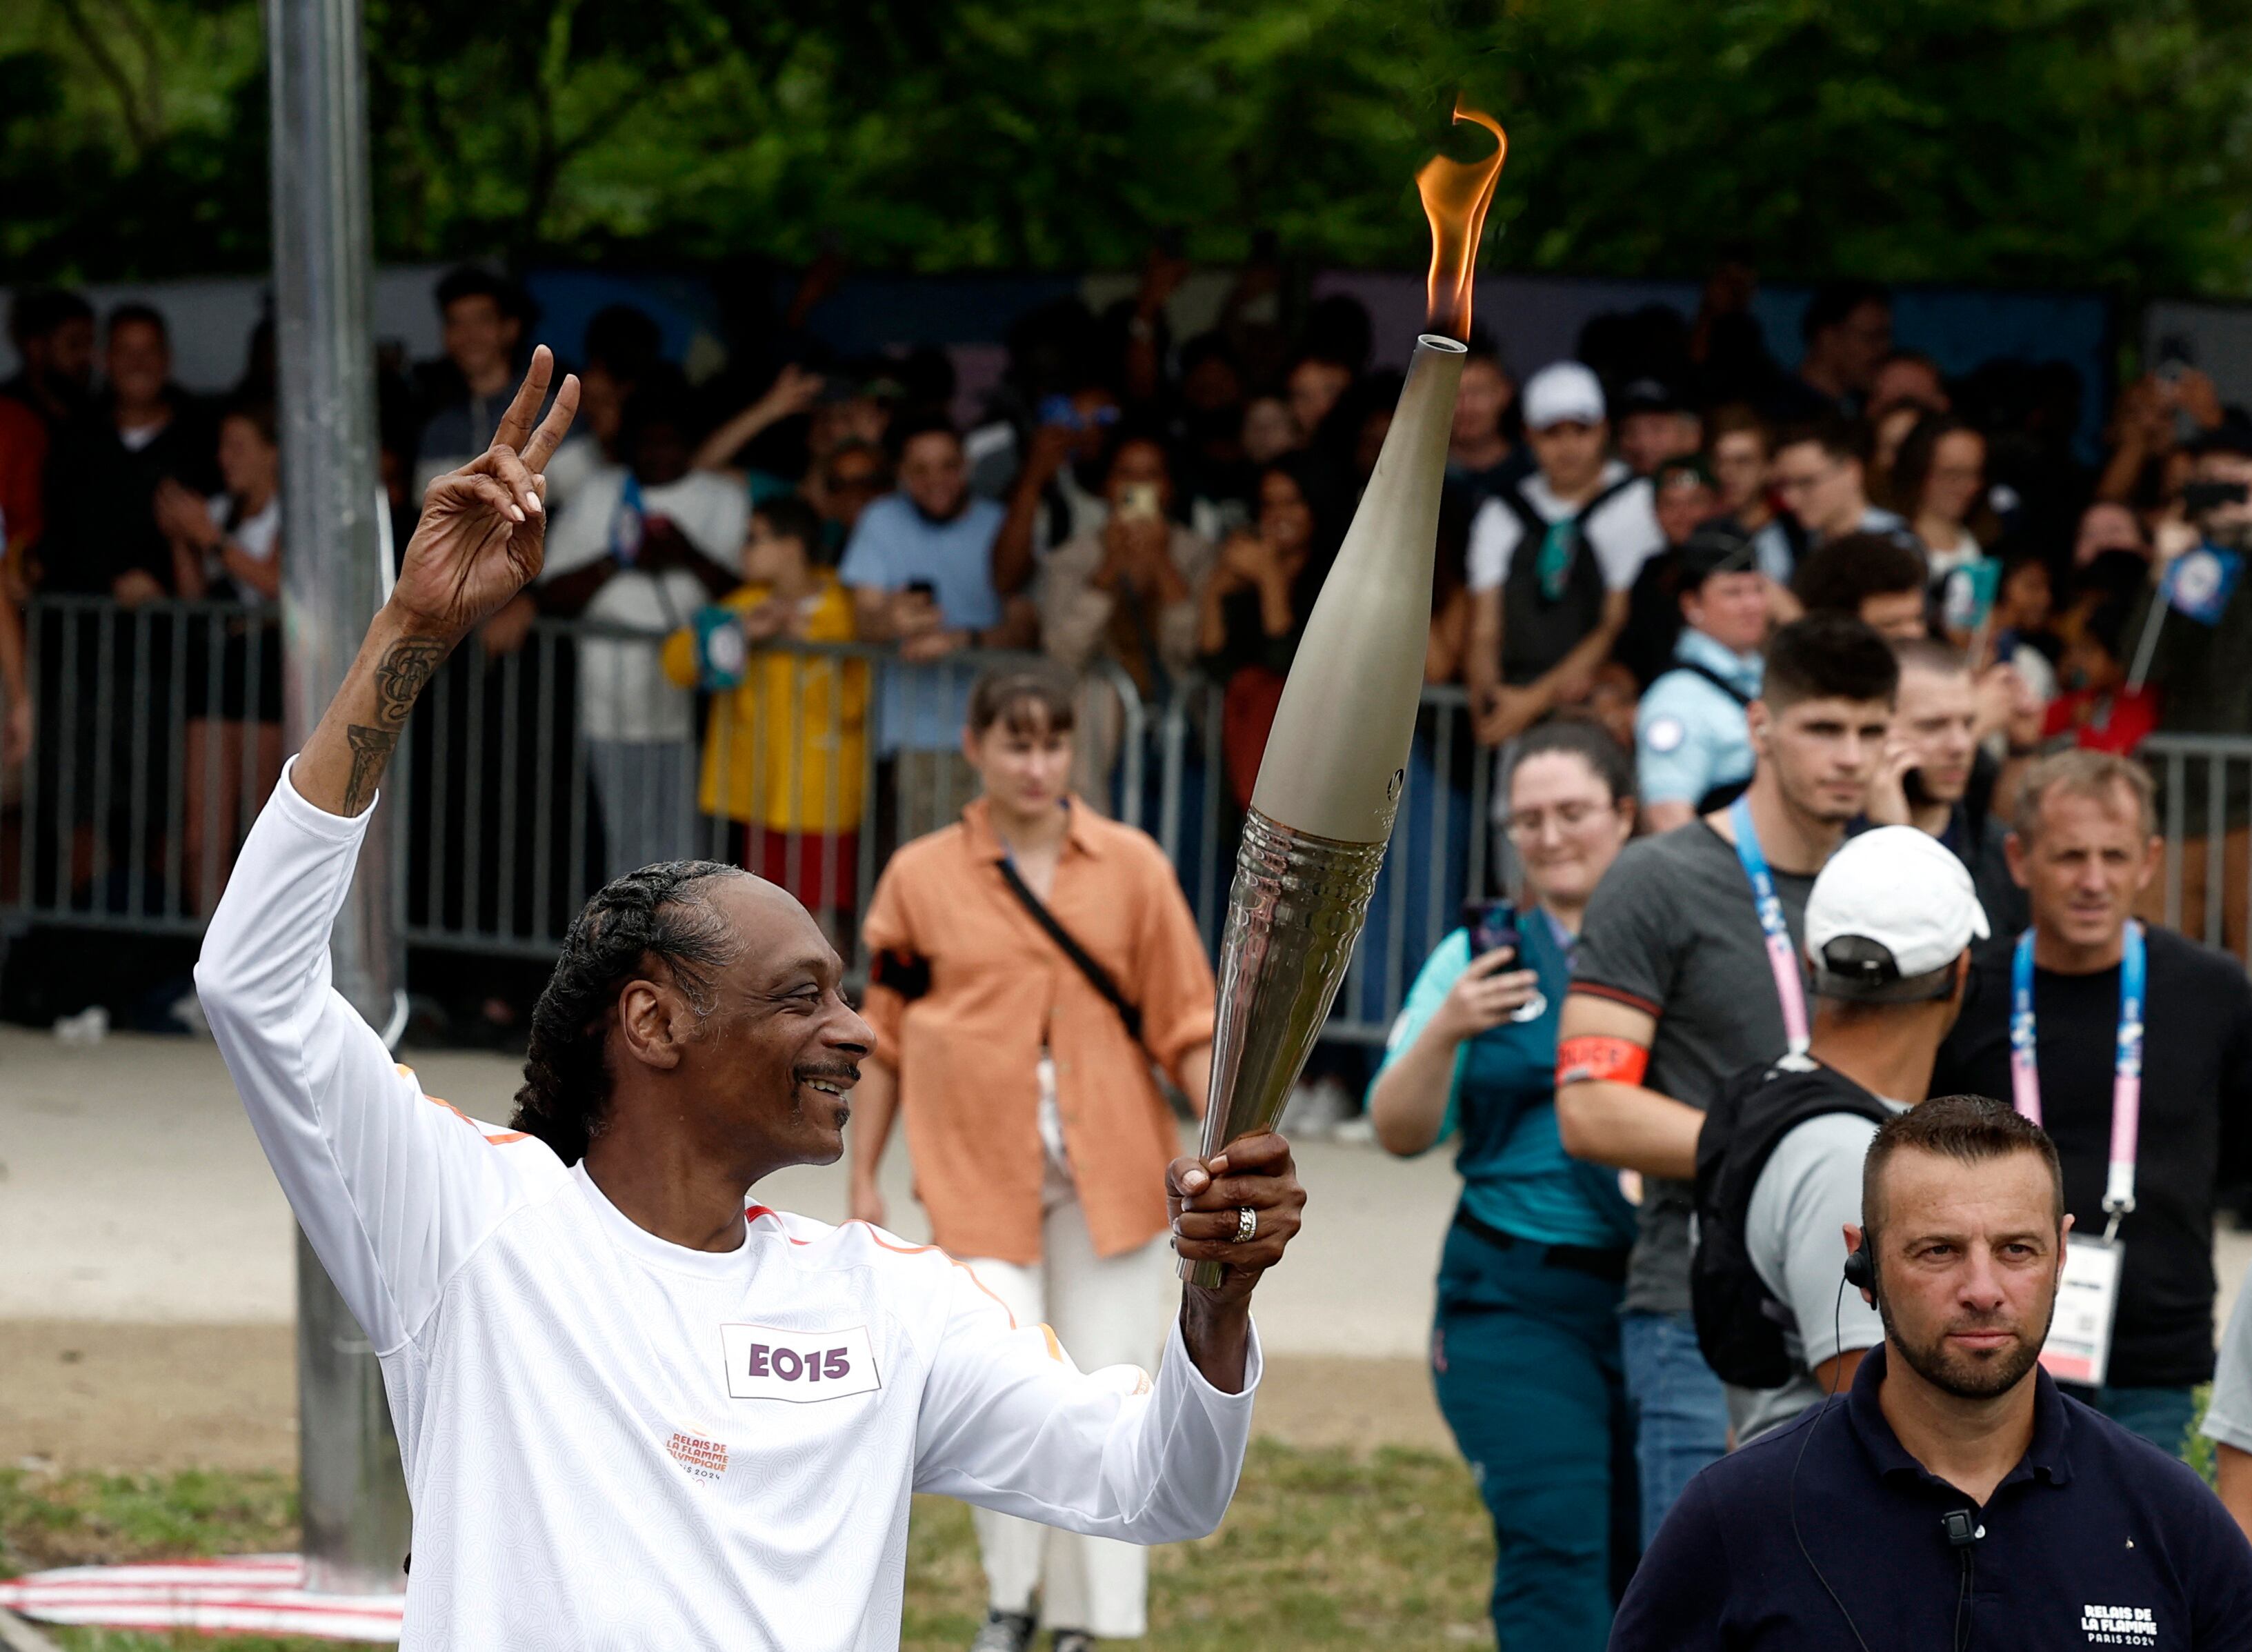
[{"x": 1501, "y": 1109}]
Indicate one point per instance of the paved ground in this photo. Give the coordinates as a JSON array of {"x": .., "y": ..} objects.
[
  {"x": 147, "y": 1257},
  {"x": 147, "y": 1291}
]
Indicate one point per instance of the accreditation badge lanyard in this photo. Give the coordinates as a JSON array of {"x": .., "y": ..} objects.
[
  {"x": 2078, "y": 1346},
  {"x": 1781, "y": 955}
]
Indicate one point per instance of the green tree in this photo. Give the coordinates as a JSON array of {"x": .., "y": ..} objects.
[{"x": 2101, "y": 142}]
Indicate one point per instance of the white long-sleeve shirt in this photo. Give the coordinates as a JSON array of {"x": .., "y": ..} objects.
[{"x": 612, "y": 1441}]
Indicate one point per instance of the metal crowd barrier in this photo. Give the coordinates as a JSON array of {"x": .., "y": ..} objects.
[
  {"x": 2205, "y": 798},
  {"x": 530, "y": 776}
]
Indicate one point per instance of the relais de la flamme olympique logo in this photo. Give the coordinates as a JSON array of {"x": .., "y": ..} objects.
[{"x": 2119, "y": 1625}]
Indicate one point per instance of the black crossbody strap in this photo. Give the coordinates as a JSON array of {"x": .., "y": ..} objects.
[
  {"x": 1097, "y": 976},
  {"x": 1714, "y": 679}
]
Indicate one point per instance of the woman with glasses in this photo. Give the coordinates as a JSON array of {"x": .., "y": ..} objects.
[{"x": 1524, "y": 1353}]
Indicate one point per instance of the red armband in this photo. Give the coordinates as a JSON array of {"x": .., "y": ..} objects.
[{"x": 1599, "y": 1059}]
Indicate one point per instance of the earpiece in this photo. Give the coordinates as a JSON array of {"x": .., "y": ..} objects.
[{"x": 1861, "y": 1267}]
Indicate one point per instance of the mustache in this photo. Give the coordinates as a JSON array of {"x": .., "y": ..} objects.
[
  {"x": 846, "y": 1073},
  {"x": 1981, "y": 1325}
]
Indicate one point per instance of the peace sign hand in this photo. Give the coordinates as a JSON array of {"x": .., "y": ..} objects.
[{"x": 484, "y": 530}]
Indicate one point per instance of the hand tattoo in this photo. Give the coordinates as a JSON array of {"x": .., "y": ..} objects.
[{"x": 400, "y": 677}]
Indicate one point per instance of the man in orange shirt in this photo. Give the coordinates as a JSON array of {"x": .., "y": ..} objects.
[{"x": 1037, "y": 1131}]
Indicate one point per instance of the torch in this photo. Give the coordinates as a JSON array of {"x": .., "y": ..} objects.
[{"x": 1330, "y": 781}]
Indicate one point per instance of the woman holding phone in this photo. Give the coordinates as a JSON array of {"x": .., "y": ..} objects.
[{"x": 1524, "y": 1353}]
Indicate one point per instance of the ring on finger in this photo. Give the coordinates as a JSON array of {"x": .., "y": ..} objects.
[{"x": 1247, "y": 1224}]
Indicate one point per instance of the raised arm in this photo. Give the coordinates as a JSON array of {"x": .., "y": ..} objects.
[
  {"x": 394, "y": 1190},
  {"x": 479, "y": 541}
]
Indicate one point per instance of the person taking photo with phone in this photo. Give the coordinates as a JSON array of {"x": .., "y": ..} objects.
[
  {"x": 1524, "y": 1353},
  {"x": 1125, "y": 591},
  {"x": 1033, "y": 965}
]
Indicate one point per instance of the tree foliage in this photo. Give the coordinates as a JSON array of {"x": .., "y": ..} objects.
[{"x": 2052, "y": 142}]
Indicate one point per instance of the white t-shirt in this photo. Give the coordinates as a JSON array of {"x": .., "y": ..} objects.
[
  {"x": 256, "y": 535},
  {"x": 1623, "y": 532},
  {"x": 624, "y": 694},
  {"x": 1794, "y": 1232},
  {"x": 611, "y": 1440}
]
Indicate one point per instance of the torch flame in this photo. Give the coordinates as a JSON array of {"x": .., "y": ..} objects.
[{"x": 1456, "y": 194}]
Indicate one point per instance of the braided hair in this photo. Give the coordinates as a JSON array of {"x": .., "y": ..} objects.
[{"x": 661, "y": 913}]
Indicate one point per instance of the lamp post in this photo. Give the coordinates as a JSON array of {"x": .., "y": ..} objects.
[{"x": 352, "y": 1493}]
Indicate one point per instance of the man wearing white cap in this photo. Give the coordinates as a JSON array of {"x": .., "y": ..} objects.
[
  {"x": 1552, "y": 559},
  {"x": 1889, "y": 926}
]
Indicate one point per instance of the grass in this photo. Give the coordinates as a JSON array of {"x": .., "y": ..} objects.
[{"x": 1323, "y": 1549}]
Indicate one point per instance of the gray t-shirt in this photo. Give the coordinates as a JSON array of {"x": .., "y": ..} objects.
[
  {"x": 2228, "y": 1418},
  {"x": 1794, "y": 1232},
  {"x": 1672, "y": 932}
]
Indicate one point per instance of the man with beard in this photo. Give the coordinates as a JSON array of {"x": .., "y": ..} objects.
[
  {"x": 634, "y": 1409},
  {"x": 1687, "y": 973},
  {"x": 2046, "y": 1020},
  {"x": 1954, "y": 1489}
]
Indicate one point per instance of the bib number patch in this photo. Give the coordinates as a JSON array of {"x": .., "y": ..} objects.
[{"x": 800, "y": 1367}]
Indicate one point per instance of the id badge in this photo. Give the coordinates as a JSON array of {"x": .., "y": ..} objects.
[{"x": 2078, "y": 1346}]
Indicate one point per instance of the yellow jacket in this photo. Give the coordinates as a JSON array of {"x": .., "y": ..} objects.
[{"x": 788, "y": 746}]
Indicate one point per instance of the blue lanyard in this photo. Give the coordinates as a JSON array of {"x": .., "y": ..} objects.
[
  {"x": 1781, "y": 955},
  {"x": 2126, "y": 1065}
]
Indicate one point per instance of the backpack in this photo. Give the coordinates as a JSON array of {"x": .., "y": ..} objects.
[
  {"x": 1540, "y": 626},
  {"x": 1740, "y": 1323}
]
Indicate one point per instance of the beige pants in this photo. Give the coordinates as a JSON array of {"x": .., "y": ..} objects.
[{"x": 1110, "y": 1311}]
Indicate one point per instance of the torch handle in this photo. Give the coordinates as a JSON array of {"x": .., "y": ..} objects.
[{"x": 1293, "y": 912}]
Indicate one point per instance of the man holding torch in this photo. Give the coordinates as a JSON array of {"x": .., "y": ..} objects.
[{"x": 633, "y": 1407}]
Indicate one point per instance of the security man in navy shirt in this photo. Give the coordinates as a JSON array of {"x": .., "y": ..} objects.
[{"x": 1955, "y": 1498}]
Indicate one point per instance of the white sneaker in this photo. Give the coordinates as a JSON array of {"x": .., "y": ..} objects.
[{"x": 1004, "y": 1632}]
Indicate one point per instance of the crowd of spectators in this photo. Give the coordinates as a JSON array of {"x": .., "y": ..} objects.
[
  {"x": 1679, "y": 581},
  {"x": 1148, "y": 510},
  {"x": 1620, "y": 532}
]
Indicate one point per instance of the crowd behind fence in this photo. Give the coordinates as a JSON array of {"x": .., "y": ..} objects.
[
  {"x": 153, "y": 760},
  {"x": 160, "y": 737}
]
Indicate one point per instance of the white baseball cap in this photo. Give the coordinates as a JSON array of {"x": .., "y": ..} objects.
[
  {"x": 1563, "y": 392},
  {"x": 1889, "y": 915}
]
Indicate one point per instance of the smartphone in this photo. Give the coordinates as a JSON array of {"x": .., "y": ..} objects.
[
  {"x": 922, "y": 588},
  {"x": 1137, "y": 502},
  {"x": 1492, "y": 925},
  {"x": 1912, "y": 787},
  {"x": 1059, "y": 410}
]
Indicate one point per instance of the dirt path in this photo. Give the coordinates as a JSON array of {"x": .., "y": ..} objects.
[{"x": 80, "y": 1394}]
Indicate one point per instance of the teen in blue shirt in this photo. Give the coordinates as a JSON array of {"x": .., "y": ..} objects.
[{"x": 1525, "y": 1354}]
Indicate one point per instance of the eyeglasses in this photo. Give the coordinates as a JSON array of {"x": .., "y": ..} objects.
[{"x": 1526, "y": 822}]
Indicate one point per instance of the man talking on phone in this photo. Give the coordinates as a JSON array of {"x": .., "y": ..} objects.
[
  {"x": 1935, "y": 778},
  {"x": 633, "y": 1409}
]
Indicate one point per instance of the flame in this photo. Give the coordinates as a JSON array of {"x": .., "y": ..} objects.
[{"x": 1456, "y": 194}]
